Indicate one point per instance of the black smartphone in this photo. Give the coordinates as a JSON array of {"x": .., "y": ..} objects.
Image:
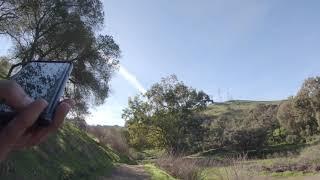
[{"x": 40, "y": 79}]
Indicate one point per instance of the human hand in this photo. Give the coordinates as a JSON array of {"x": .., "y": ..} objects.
[{"x": 19, "y": 132}]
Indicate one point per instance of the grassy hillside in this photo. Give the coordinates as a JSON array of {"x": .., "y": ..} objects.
[
  {"x": 70, "y": 154},
  {"x": 234, "y": 108},
  {"x": 232, "y": 114},
  {"x": 233, "y": 111}
]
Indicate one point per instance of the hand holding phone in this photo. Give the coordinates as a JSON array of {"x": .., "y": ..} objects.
[
  {"x": 39, "y": 79},
  {"x": 24, "y": 104},
  {"x": 20, "y": 133}
]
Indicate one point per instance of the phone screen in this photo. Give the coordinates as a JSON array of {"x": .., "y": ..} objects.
[{"x": 43, "y": 79}]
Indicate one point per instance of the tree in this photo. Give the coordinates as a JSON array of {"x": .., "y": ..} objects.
[
  {"x": 308, "y": 99},
  {"x": 287, "y": 116},
  {"x": 246, "y": 138},
  {"x": 170, "y": 111},
  {"x": 254, "y": 130},
  {"x": 304, "y": 109},
  {"x": 300, "y": 115},
  {"x": 216, "y": 134},
  {"x": 64, "y": 30},
  {"x": 141, "y": 133},
  {"x": 263, "y": 116}
]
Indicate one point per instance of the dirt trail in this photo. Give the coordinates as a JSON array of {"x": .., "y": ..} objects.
[{"x": 128, "y": 172}]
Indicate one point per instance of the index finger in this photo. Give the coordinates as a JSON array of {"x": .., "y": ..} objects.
[
  {"x": 13, "y": 95},
  {"x": 18, "y": 126}
]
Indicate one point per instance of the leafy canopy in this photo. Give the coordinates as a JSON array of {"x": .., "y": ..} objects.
[
  {"x": 300, "y": 115},
  {"x": 167, "y": 116},
  {"x": 64, "y": 30}
]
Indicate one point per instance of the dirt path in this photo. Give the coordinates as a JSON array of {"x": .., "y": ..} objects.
[{"x": 129, "y": 172}]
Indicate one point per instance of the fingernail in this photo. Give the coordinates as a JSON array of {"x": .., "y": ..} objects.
[
  {"x": 27, "y": 100},
  {"x": 67, "y": 106},
  {"x": 43, "y": 102}
]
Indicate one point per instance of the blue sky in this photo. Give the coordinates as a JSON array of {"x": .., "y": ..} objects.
[{"x": 244, "y": 49}]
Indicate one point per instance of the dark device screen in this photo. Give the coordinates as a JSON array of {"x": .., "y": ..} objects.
[{"x": 40, "y": 79}]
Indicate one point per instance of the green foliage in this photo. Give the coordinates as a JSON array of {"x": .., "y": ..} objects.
[
  {"x": 299, "y": 115},
  {"x": 248, "y": 124},
  {"x": 70, "y": 154},
  {"x": 64, "y": 30},
  {"x": 286, "y": 116},
  {"x": 241, "y": 125},
  {"x": 278, "y": 136},
  {"x": 292, "y": 139},
  {"x": 313, "y": 140},
  {"x": 167, "y": 117},
  {"x": 246, "y": 138}
]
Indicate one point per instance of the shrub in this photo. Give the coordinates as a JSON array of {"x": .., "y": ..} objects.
[
  {"x": 180, "y": 167},
  {"x": 291, "y": 139},
  {"x": 112, "y": 136},
  {"x": 245, "y": 139},
  {"x": 313, "y": 140}
]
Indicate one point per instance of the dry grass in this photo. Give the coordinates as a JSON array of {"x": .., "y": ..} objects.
[
  {"x": 306, "y": 165},
  {"x": 307, "y": 162},
  {"x": 232, "y": 168},
  {"x": 180, "y": 167}
]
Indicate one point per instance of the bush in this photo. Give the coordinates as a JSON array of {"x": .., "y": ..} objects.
[
  {"x": 313, "y": 140},
  {"x": 292, "y": 139},
  {"x": 180, "y": 167},
  {"x": 112, "y": 136},
  {"x": 245, "y": 139},
  {"x": 278, "y": 136}
]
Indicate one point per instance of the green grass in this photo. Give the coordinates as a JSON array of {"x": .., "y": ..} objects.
[
  {"x": 156, "y": 173},
  {"x": 226, "y": 173},
  {"x": 251, "y": 169},
  {"x": 69, "y": 154},
  {"x": 246, "y": 170},
  {"x": 290, "y": 174}
]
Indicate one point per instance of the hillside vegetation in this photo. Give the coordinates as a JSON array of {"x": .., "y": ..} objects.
[
  {"x": 235, "y": 108},
  {"x": 227, "y": 116},
  {"x": 69, "y": 154},
  {"x": 205, "y": 136},
  {"x": 181, "y": 119}
]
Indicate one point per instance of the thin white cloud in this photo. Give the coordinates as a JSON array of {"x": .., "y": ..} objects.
[{"x": 131, "y": 79}]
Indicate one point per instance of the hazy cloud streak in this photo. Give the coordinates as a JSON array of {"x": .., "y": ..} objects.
[{"x": 131, "y": 79}]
